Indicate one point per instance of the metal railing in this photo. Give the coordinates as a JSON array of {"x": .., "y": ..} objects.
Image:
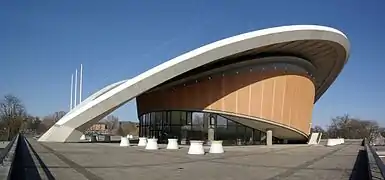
[
  {"x": 7, "y": 157},
  {"x": 376, "y": 167}
]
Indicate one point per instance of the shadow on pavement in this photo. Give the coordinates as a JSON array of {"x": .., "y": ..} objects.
[
  {"x": 360, "y": 169},
  {"x": 25, "y": 167}
]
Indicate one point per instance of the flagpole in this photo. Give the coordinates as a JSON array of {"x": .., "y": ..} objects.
[
  {"x": 72, "y": 88},
  {"x": 81, "y": 83},
  {"x": 76, "y": 86}
]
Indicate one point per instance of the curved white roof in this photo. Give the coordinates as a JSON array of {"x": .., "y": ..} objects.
[{"x": 79, "y": 119}]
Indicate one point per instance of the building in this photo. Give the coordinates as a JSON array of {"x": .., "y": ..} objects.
[
  {"x": 99, "y": 127},
  {"x": 246, "y": 89}
]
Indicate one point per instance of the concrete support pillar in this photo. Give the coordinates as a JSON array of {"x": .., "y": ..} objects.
[
  {"x": 269, "y": 137},
  {"x": 251, "y": 140},
  {"x": 210, "y": 135}
]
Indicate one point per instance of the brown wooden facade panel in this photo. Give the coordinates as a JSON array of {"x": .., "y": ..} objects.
[{"x": 284, "y": 99}]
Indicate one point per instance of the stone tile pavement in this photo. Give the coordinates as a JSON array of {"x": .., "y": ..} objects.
[{"x": 109, "y": 161}]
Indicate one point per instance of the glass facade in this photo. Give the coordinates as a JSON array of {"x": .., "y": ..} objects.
[{"x": 186, "y": 126}]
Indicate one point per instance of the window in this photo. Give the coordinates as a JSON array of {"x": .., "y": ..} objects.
[
  {"x": 189, "y": 118},
  {"x": 249, "y": 135},
  {"x": 221, "y": 121},
  {"x": 187, "y": 126},
  {"x": 152, "y": 119},
  {"x": 175, "y": 117},
  {"x": 231, "y": 123},
  {"x": 158, "y": 118},
  {"x": 183, "y": 118},
  {"x": 165, "y": 119},
  {"x": 146, "y": 119},
  {"x": 197, "y": 119},
  {"x": 240, "y": 131}
]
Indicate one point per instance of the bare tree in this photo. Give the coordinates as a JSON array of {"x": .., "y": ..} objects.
[
  {"x": 56, "y": 116},
  {"x": 353, "y": 128},
  {"x": 317, "y": 129},
  {"x": 51, "y": 119},
  {"x": 130, "y": 128},
  {"x": 33, "y": 124},
  {"x": 12, "y": 114},
  {"x": 112, "y": 123}
]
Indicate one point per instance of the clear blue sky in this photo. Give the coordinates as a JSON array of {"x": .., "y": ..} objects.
[{"x": 42, "y": 42}]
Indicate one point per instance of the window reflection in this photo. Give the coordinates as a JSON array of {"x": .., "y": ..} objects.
[
  {"x": 221, "y": 121},
  {"x": 175, "y": 117},
  {"x": 197, "y": 118},
  {"x": 186, "y": 126}
]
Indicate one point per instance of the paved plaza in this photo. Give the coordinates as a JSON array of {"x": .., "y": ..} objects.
[{"x": 109, "y": 161}]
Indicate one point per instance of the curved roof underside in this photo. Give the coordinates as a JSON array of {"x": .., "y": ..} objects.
[{"x": 326, "y": 48}]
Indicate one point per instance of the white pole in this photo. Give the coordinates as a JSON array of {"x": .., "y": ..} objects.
[
  {"x": 81, "y": 83},
  {"x": 76, "y": 86},
  {"x": 72, "y": 88}
]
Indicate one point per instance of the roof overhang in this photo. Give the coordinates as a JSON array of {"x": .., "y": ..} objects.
[{"x": 325, "y": 47}]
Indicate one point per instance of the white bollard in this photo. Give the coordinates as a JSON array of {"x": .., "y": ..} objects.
[
  {"x": 196, "y": 147},
  {"x": 83, "y": 137},
  {"x": 124, "y": 142},
  {"x": 142, "y": 141},
  {"x": 333, "y": 142},
  {"x": 172, "y": 144},
  {"x": 152, "y": 144},
  {"x": 216, "y": 147}
]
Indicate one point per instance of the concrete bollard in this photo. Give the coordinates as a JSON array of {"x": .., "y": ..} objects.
[
  {"x": 333, "y": 142},
  {"x": 216, "y": 147},
  {"x": 83, "y": 137},
  {"x": 172, "y": 144},
  {"x": 124, "y": 142},
  {"x": 196, "y": 147},
  {"x": 152, "y": 144},
  {"x": 142, "y": 141}
]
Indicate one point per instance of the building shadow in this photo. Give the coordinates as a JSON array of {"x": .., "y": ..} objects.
[
  {"x": 360, "y": 168},
  {"x": 24, "y": 166}
]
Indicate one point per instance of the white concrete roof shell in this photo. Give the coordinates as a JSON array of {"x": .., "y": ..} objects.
[{"x": 91, "y": 112}]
